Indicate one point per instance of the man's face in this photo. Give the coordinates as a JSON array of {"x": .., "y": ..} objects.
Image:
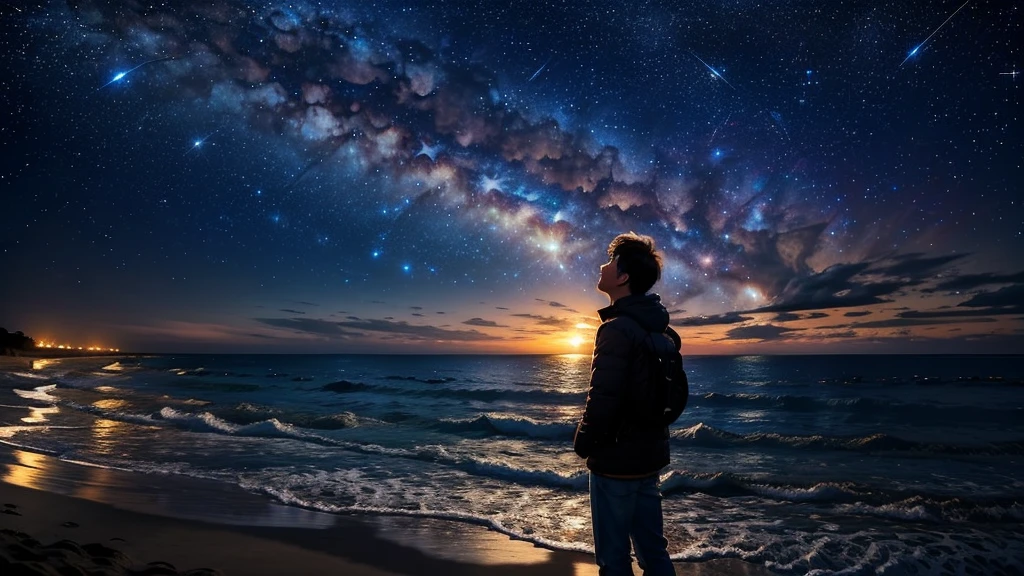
[{"x": 610, "y": 277}]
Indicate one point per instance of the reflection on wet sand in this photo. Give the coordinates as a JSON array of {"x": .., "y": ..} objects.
[
  {"x": 159, "y": 494},
  {"x": 30, "y": 471}
]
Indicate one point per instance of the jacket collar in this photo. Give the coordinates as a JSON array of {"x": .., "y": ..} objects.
[{"x": 615, "y": 309}]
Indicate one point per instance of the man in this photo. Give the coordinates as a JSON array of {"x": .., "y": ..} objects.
[{"x": 625, "y": 452}]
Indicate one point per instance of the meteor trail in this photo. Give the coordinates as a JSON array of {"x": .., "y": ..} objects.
[
  {"x": 539, "y": 70},
  {"x": 120, "y": 75},
  {"x": 715, "y": 72},
  {"x": 919, "y": 46}
]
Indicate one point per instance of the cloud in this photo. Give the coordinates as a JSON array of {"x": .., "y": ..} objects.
[
  {"x": 417, "y": 331},
  {"x": 1009, "y": 296},
  {"x": 1011, "y": 310},
  {"x": 790, "y": 316},
  {"x": 834, "y": 287},
  {"x": 857, "y": 313},
  {"x": 714, "y": 320},
  {"x": 972, "y": 281},
  {"x": 483, "y": 323},
  {"x": 857, "y": 284},
  {"x": 914, "y": 265},
  {"x": 927, "y": 321},
  {"x": 545, "y": 320},
  {"x": 309, "y": 325},
  {"x": 554, "y": 304},
  {"x": 761, "y": 332},
  {"x": 291, "y": 311}
]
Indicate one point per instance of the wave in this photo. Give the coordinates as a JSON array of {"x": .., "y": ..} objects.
[
  {"x": 850, "y": 497},
  {"x": 478, "y": 394},
  {"x": 855, "y": 407},
  {"x": 444, "y": 380},
  {"x": 705, "y": 436},
  {"x": 40, "y": 394},
  {"x": 248, "y": 413},
  {"x": 787, "y": 402},
  {"x": 506, "y": 425}
]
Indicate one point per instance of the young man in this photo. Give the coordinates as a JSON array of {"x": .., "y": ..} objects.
[{"x": 623, "y": 452}]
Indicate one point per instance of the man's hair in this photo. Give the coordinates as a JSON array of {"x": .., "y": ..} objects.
[{"x": 638, "y": 258}]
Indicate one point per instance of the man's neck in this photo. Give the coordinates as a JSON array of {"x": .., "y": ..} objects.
[{"x": 614, "y": 297}]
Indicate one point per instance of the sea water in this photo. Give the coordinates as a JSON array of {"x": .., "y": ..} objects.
[{"x": 806, "y": 464}]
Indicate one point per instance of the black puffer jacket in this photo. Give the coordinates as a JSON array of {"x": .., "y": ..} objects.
[{"x": 607, "y": 436}]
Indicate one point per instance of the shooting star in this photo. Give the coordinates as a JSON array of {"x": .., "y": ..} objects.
[
  {"x": 715, "y": 72},
  {"x": 121, "y": 75},
  {"x": 921, "y": 45},
  {"x": 539, "y": 70}
]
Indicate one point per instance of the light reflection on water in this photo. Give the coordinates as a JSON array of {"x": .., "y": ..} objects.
[{"x": 37, "y": 415}]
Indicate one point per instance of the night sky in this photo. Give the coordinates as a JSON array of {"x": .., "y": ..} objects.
[{"x": 432, "y": 176}]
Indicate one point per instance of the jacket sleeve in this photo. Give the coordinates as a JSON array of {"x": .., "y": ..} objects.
[{"x": 609, "y": 377}]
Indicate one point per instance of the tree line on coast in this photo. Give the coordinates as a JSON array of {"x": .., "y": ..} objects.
[{"x": 14, "y": 342}]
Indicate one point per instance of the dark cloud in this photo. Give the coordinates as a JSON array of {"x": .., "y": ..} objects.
[
  {"x": 417, "y": 314},
  {"x": 857, "y": 284},
  {"x": 857, "y": 313},
  {"x": 545, "y": 320},
  {"x": 927, "y": 321},
  {"x": 964, "y": 313},
  {"x": 500, "y": 308},
  {"x": 714, "y": 320},
  {"x": 554, "y": 304},
  {"x": 416, "y": 307},
  {"x": 972, "y": 281},
  {"x": 1009, "y": 296},
  {"x": 835, "y": 287},
  {"x": 290, "y": 311},
  {"x": 836, "y": 335},
  {"x": 302, "y": 303},
  {"x": 790, "y": 316},
  {"x": 483, "y": 323},
  {"x": 416, "y": 331},
  {"x": 761, "y": 333},
  {"x": 775, "y": 259},
  {"x": 310, "y": 326},
  {"x": 915, "y": 266}
]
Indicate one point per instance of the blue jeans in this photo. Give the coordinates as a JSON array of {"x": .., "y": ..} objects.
[{"x": 624, "y": 510}]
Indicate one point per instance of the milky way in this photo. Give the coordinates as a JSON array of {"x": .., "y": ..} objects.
[{"x": 435, "y": 174}]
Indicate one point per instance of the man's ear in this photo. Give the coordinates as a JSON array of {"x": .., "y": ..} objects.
[{"x": 624, "y": 279}]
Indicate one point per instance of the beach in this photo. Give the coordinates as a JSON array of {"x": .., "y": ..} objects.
[{"x": 60, "y": 516}]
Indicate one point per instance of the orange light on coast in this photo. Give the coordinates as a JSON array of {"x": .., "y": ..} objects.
[{"x": 53, "y": 345}]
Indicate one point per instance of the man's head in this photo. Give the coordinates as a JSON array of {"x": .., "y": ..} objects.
[{"x": 633, "y": 266}]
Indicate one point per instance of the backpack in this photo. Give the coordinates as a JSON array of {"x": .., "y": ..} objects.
[{"x": 664, "y": 399}]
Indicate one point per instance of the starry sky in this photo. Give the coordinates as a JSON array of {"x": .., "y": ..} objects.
[{"x": 432, "y": 176}]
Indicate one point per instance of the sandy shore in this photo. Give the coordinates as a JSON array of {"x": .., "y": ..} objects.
[
  {"x": 58, "y": 517},
  {"x": 54, "y": 514}
]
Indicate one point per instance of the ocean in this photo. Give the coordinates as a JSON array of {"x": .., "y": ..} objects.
[{"x": 805, "y": 464}]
